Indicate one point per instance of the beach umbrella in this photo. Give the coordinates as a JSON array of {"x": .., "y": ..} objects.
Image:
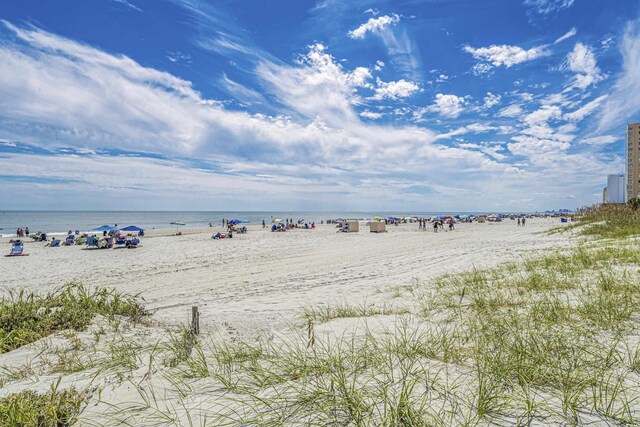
[
  {"x": 132, "y": 228},
  {"x": 104, "y": 228},
  {"x": 377, "y": 218},
  {"x": 238, "y": 221},
  {"x": 177, "y": 223},
  {"x": 277, "y": 220}
]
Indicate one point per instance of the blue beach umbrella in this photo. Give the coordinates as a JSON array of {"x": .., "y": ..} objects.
[
  {"x": 238, "y": 221},
  {"x": 104, "y": 228},
  {"x": 132, "y": 228}
]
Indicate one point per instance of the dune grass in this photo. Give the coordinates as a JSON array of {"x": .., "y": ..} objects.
[
  {"x": 25, "y": 317},
  {"x": 549, "y": 340},
  {"x": 52, "y": 409},
  {"x": 611, "y": 221}
]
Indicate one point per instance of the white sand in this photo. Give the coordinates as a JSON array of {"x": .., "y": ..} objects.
[
  {"x": 262, "y": 280},
  {"x": 253, "y": 285}
]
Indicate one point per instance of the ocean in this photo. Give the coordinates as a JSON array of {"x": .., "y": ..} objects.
[{"x": 59, "y": 222}]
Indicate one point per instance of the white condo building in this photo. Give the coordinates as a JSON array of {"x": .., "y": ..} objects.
[{"x": 615, "y": 188}]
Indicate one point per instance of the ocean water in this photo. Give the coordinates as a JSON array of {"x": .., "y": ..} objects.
[{"x": 59, "y": 222}]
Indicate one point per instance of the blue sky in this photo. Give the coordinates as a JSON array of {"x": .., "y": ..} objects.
[{"x": 409, "y": 105}]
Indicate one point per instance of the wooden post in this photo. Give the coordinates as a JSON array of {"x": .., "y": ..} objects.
[{"x": 195, "y": 320}]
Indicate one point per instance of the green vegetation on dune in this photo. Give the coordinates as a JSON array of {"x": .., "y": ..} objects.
[
  {"x": 30, "y": 409},
  {"x": 612, "y": 221},
  {"x": 26, "y": 317},
  {"x": 551, "y": 340}
]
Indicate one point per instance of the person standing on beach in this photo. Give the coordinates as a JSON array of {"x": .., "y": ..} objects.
[
  {"x": 435, "y": 226},
  {"x": 26, "y": 231},
  {"x": 523, "y": 221},
  {"x": 518, "y": 221}
]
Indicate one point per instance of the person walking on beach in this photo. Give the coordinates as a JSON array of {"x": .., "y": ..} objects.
[
  {"x": 451, "y": 225},
  {"x": 264, "y": 225},
  {"x": 435, "y": 226},
  {"x": 523, "y": 221},
  {"x": 26, "y": 231},
  {"x": 518, "y": 221}
]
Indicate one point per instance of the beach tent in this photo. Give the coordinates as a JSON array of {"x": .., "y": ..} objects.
[
  {"x": 132, "y": 228},
  {"x": 104, "y": 228}
]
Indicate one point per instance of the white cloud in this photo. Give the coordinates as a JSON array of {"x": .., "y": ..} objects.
[
  {"x": 572, "y": 32},
  {"x": 513, "y": 110},
  {"x": 55, "y": 92},
  {"x": 472, "y": 128},
  {"x": 545, "y": 7},
  {"x": 534, "y": 148},
  {"x": 491, "y": 100},
  {"x": 504, "y": 55},
  {"x": 374, "y": 25},
  {"x": 624, "y": 103},
  {"x": 394, "y": 90},
  {"x": 371, "y": 115},
  {"x": 360, "y": 77},
  {"x": 543, "y": 115},
  {"x": 600, "y": 140},
  {"x": 442, "y": 78},
  {"x": 582, "y": 61},
  {"x": 585, "y": 110},
  {"x": 481, "y": 68},
  {"x": 448, "y": 105}
]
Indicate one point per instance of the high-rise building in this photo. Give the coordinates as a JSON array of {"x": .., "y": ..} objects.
[
  {"x": 633, "y": 160},
  {"x": 615, "y": 188}
]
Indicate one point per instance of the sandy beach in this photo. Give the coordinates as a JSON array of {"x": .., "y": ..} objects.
[{"x": 261, "y": 281}]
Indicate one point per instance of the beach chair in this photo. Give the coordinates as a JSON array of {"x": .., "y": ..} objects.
[
  {"x": 17, "y": 249},
  {"x": 121, "y": 241},
  {"x": 55, "y": 243},
  {"x": 133, "y": 243}
]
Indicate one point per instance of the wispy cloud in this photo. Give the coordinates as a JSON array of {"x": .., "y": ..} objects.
[
  {"x": 582, "y": 61},
  {"x": 572, "y": 32},
  {"x": 504, "y": 55},
  {"x": 624, "y": 103},
  {"x": 127, "y": 4},
  {"x": 374, "y": 25},
  {"x": 546, "y": 7}
]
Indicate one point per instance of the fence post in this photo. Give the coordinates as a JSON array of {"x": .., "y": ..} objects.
[{"x": 195, "y": 320}]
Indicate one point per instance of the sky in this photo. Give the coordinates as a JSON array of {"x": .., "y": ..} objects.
[{"x": 361, "y": 105}]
